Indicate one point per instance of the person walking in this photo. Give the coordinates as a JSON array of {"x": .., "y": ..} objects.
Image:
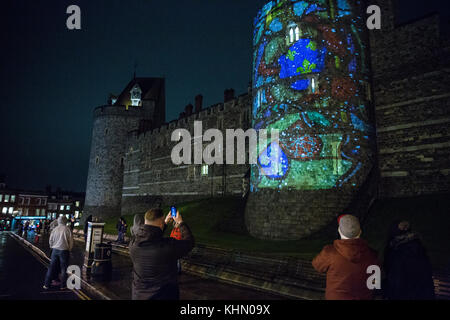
[
  {"x": 122, "y": 229},
  {"x": 345, "y": 262},
  {"x": 119, "y": 229},
  {"x": 25, "y": 229},
  {"x": 72, "y": 223},
  {"x": 407, "y": 268},
  {"x": 154, "y": 257},
  {"x": 20, "y": 228},
  {"x": 61, "y": 243}
]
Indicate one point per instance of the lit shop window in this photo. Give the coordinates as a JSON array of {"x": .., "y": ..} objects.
[
  {"x": 38, "y": 211},
  {"x": 61, "y": 208},
  {"x": 67, "y": 207},
  {"x": 6, "y": 197},
  {"x": 77, "y": 203},
  {"x": 10, "y": 210},
  {"x": 4, "y": 210},
  {"x": 43, "y": 212},
  {"x": 77, "y": 213},
  {"x": 13, "y": 198},
  {"x": 204, "y": 170},
  {"x": 1, "y": 197}
]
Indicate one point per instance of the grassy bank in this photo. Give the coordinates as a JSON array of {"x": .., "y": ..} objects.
[{"x": 428, "y": 215}]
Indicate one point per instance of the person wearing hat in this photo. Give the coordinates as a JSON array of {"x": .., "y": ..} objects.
[{"x": 345, "y": 262}]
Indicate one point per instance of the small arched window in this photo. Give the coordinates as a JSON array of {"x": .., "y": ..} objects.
[
  {"x": 291, "y": 35},
  {"x": 297, "y": 33}
]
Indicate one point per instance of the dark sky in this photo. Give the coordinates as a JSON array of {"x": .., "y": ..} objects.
[{"x": 53, "y": 78}]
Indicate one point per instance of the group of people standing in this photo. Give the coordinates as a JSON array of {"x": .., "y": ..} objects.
[
  {"x": 407, "y": 269},
  {"x": 406, "y": 266}
]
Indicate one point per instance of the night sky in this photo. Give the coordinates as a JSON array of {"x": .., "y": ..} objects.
[{"x": 52, "y": 78}]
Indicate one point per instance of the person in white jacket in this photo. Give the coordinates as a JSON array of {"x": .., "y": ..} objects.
[{"x": 61, "y": 242}]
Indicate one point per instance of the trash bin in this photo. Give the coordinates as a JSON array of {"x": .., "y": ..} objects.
[{"x": 102, "y": 265}]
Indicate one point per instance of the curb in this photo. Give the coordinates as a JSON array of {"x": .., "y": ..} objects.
[
  {"x": 86, "y": 285},
  {"x": 241, "y": 278}
]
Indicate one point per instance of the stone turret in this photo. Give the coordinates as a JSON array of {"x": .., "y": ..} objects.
[{"x": 140, "y": 106}]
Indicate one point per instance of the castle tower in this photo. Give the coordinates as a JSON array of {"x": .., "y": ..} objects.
[
  {"x": 311, "y": 82},
  {"x": 141, "y": 105}
]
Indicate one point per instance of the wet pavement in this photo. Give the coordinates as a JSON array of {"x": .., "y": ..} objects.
[
  {"x": 191, "y": 287},
  {"x": 22, "y": 274}
]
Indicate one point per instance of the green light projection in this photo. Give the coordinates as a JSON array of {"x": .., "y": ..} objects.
[{"x": 309, "y": 82}]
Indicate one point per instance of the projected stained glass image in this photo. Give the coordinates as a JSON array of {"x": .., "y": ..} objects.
[{"x": 309, "y": 82}]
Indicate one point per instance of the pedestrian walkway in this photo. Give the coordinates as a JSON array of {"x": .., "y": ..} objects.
[
  {"x": 22, "y": 274},
  {"x": 191, "y": 287}
]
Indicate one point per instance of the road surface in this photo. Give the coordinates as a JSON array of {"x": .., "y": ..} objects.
[{"x": 22, "y": 274}]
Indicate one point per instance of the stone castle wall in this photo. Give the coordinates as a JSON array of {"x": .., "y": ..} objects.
[
  {"x": 105, "y": 176},
  {"x": 150, "y": 177},
  {"x": 411, "y": 76}
]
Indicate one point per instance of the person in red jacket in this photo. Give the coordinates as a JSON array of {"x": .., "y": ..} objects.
[{"x": 345, "y": 262}]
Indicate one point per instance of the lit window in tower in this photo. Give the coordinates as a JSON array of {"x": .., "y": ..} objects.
[
  {"x": 135, "y": 95},
  {"x": 204, "y": 170},
  {"x": 297, "y": 33},
  {"x": 291, "y": 35},
  {"x": 314, "y": 81}
]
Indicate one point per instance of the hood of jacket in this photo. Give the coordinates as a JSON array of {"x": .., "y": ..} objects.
[
  {"x": 137, "y": 223},
  {"x": 351, "y": 249},
  {"x": 62, "y": 221},
  {"x": 402, "y": 239},
  {"x": 146, "y": 232}
]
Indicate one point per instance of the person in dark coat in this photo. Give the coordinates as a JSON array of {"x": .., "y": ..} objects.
[
  {"x": 155, "y": 257},
  {"x": 121, "y": 227},
  {"x": 407, "y": 268},
  {"x": 86, "y": 226}
]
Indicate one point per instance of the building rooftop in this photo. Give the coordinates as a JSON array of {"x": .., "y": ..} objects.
[{"x": 152, "y": 89}]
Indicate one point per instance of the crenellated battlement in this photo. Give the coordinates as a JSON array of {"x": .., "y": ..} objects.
[{"x": 116, "y": 110}]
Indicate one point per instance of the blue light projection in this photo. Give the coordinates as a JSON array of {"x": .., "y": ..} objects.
[
  {"x": 303, "y": 57},
  {"x": 308, "y": 80}
]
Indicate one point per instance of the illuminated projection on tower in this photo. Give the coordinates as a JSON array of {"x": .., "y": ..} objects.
[{"x": 310, "y": 81}]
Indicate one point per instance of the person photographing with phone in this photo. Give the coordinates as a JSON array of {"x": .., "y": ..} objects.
[{"x": 154, "y": 257}]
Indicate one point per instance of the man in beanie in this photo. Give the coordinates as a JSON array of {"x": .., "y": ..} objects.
[
  {"x": 345, "y": 263},
  {"x": 61, "y": 243}
]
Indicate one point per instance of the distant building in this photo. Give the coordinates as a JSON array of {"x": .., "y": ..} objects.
[
  {"x": 68, "y": 204},
  {"x": 40, "y": 203}
]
